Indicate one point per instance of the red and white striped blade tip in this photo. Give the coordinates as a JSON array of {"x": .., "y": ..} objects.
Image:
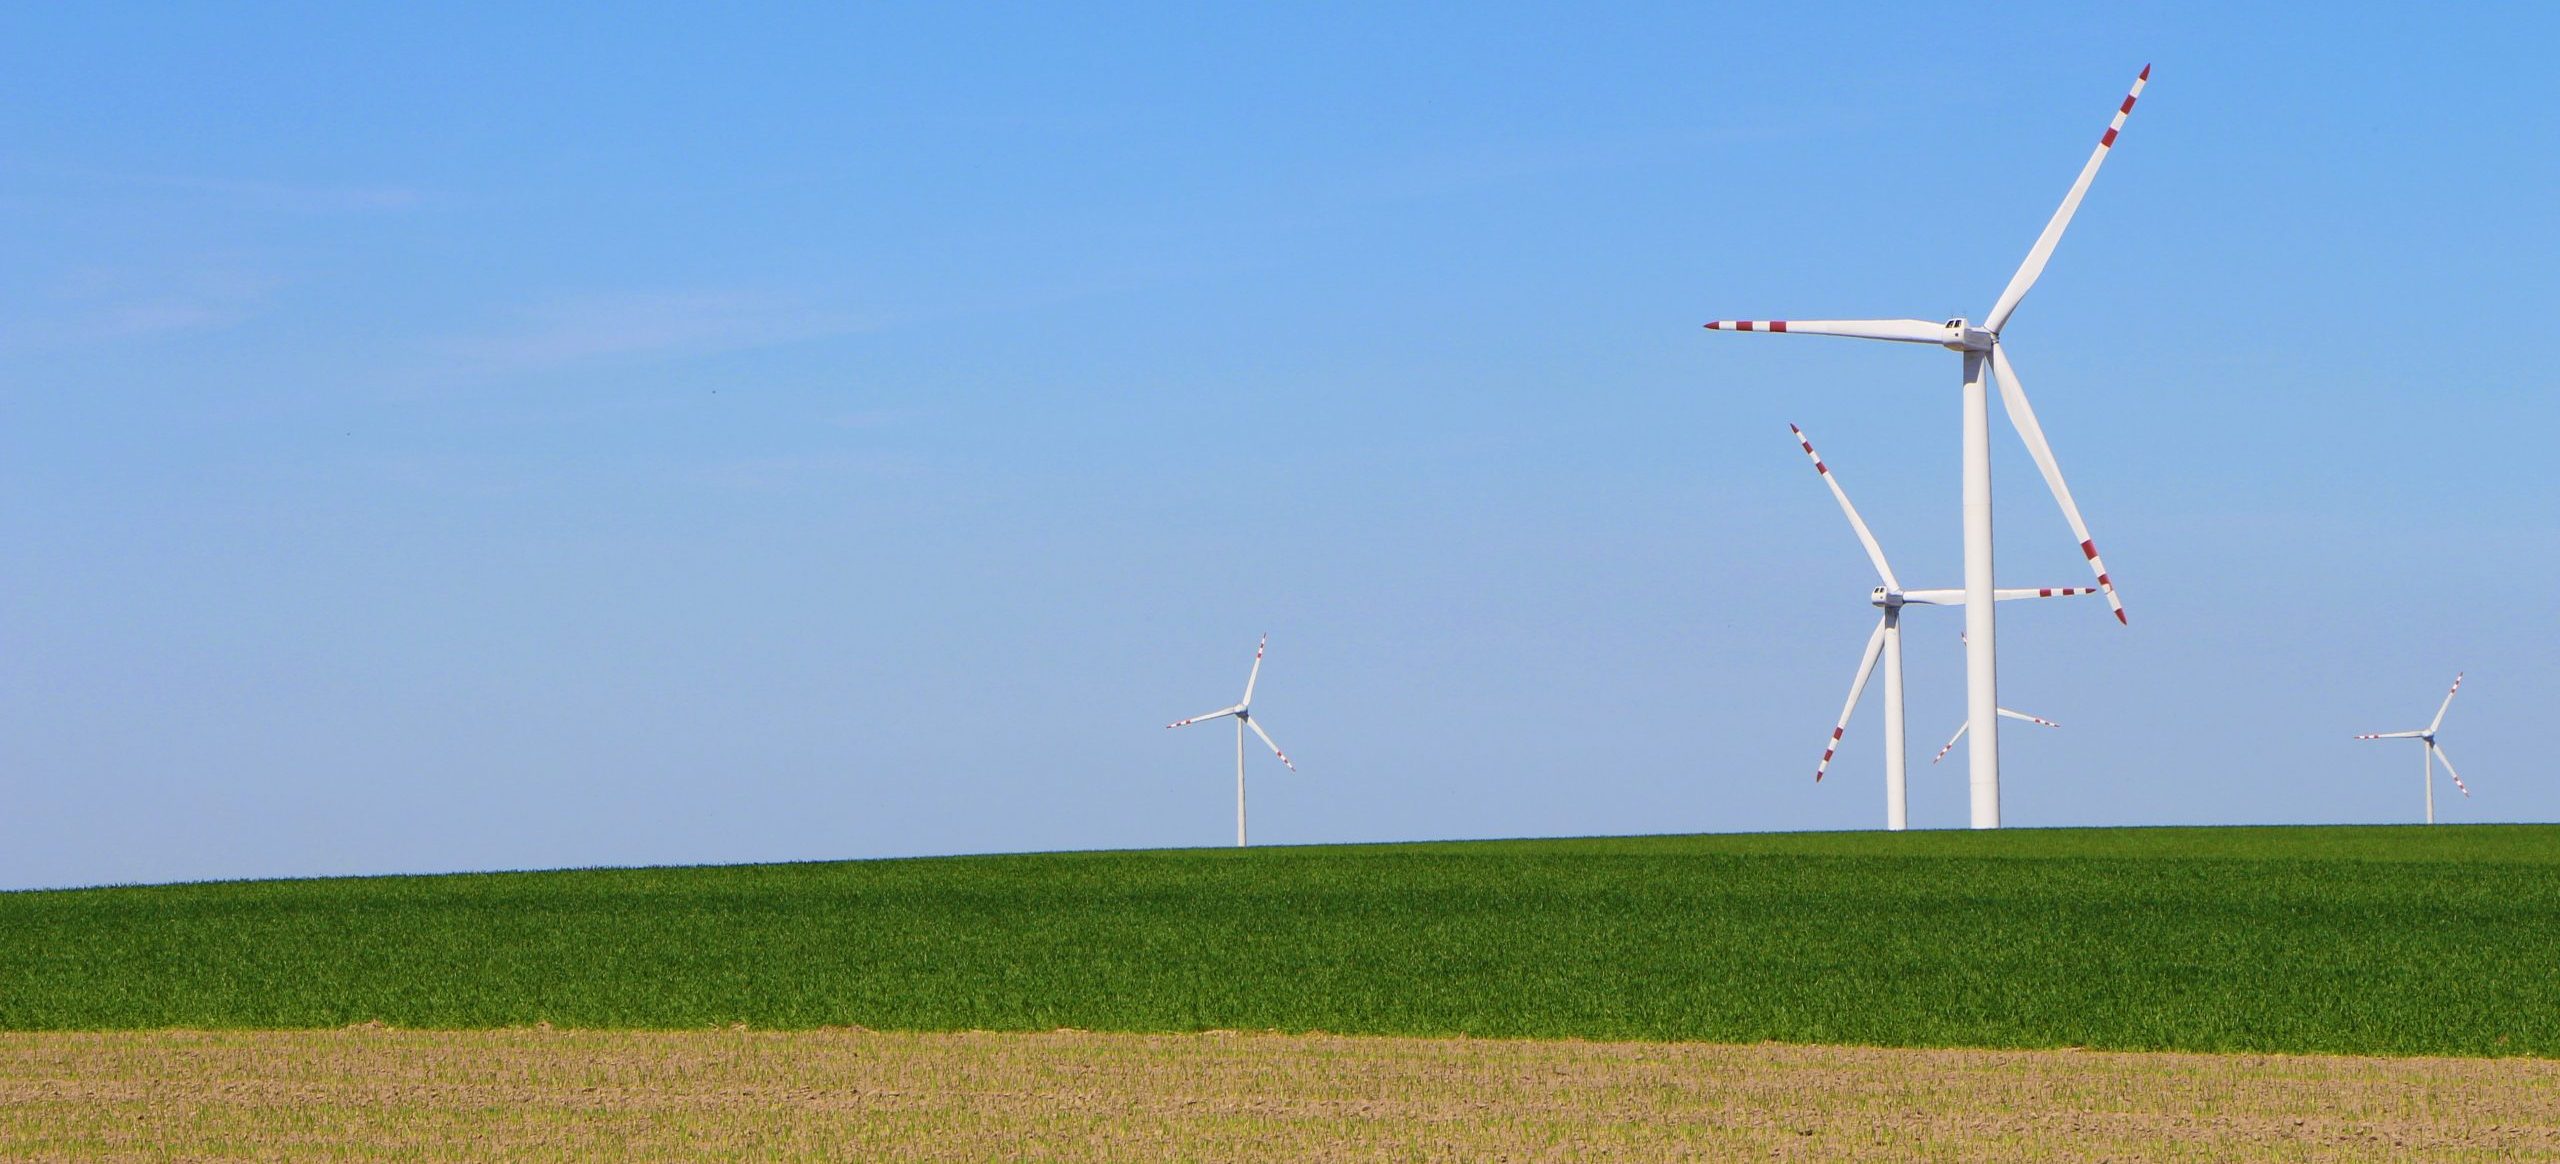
[
  {"x": 2089, "y": 550},
  {"x": 1827, "y": 752},
  {"x": 1807, "y": 443},
  {"x": 1747, "y": 325}
]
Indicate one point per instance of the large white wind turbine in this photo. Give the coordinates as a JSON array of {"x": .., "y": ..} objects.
[
  {"x": 1984, "y": 356},
  {"x": 1890, "y": 598},
  {"x": 2435, "y": 751},
  {"x": 1243, "y": 713}
]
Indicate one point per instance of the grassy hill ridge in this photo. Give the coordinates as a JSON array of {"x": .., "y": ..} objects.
[{"x": 2353, "y": 940}]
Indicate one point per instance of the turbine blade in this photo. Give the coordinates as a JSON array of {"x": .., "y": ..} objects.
[
  {"x": 1909, "y": 331},
  {"x": 2037, "y": 720},
  {"x": 2022, "y": 416},
  {"x": 1875, "y": 553},
  {"x": 1266, "y": 738},
  {"x": 2005, "y": 595},
  {"x": 2042, "y": 252},
  {"x": 1256, "y": 673},
  {"x": 1951, "y": 742},
  {"x": 2393, "y": 736},
  {"x": 1857, "y": 687},
  {"x": 2437, "y": 750},
  {"x": 2448, "y": 702},
  {"x": 1205, "y": 718}
]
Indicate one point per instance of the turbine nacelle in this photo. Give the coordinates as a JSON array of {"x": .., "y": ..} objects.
[{"x": 1964, "y": 337}]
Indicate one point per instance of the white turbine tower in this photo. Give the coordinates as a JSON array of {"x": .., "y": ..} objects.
[
  {"x": 1984, "y": 356},
  {"x": 1890, "y": 598},
  {"x": 2434, "y": 752},
  {"x": 1243, "y": 713}
]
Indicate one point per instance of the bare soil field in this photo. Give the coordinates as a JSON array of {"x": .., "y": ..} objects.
[{"x": 367, "y": 1094}]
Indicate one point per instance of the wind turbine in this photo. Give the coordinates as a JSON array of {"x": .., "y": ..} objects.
[
  {"x": 1984, "y": 356},
  {"x": 2435, "y": 751},
  {"x": 1960, "y": 730},
  {"x": 1890, "y": 598},
  {"x": 1243, "y": 713}
]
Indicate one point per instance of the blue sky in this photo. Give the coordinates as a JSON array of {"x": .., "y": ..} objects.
[{"x": 482, "y": 439}]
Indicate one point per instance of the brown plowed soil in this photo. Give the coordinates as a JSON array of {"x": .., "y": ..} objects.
[{"x": 529, "y": 1095}]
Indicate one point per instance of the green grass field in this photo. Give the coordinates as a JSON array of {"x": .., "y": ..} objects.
[{"x": 2355, "y": 940}]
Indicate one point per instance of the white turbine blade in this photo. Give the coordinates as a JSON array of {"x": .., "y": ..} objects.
[
  {"x": 2006, "y": 595},
  {"x": 1909, "y": 331},
  {"x": 1875, "y": 553},
  {"x": 1266, "y": 738},
  {"x": 2039, "y": 254},
  {"x": 2394, "y": 736},
  {"x": 1205, "y": 718},
  {"x": 1256, "y": 673},
  {"x": 2022, "y": 416},
  {"x": 1857, "y": 687},
  {"x": 2437, "y": 750},
  {"x": 2037, "y": 720},
  {"x": 2448, "y": 702},
  {"x": 1951, "y": 742}
]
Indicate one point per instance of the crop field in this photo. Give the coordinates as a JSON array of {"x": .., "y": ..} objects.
[
  {"x": 2360, "y": 941},
  {"x": 533, "y": 1095}
]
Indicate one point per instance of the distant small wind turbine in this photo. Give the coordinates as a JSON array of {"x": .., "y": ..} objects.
[
  {"x": 1887, "y": 640},
  {"x": 2435, "y": 751},
  {"x": 1951, "y": 740},
  {"x": 1243, "y": 713}
]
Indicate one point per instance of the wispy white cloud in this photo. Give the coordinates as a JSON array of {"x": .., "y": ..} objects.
[
  {"x": 1440, "y": 171},
  {"x": 301, "y": 198},
  {"x": 655, "y": 325},
  {"x": 250, "y": 193},
  {"x": 783, "y": 474},
  {"x": 102, "y": 305},
  {"x": 870, "y": 418}
]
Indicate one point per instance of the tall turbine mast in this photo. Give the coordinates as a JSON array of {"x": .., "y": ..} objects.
[{"x": 1984, "y": 360}]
